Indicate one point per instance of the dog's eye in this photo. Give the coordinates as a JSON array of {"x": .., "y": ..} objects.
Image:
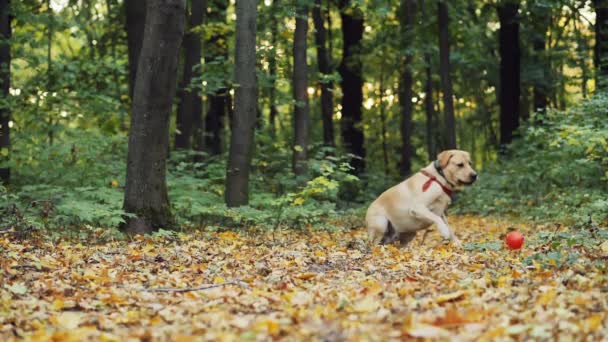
[{"x": 460, "y": 164}]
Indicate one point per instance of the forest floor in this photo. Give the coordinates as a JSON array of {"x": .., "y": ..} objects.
[{"x": 298, "y": 285}]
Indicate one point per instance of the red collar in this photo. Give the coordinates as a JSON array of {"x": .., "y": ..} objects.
[{"x": 432, "y": 179}]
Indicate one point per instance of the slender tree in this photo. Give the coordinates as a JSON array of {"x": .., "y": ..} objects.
[
  {"x": 601, "y": 43},
  {"x": 541, "y": 19},
  {"x": 300, "y": 89},
  {"x": 145, "y": 189},
  {"x": 445, "y": 73},
  {"x": 5, "y": 82},
  {"x": 407, "y": 18},
  {"x": 135, "y": 20},
  {"x": 272, "y": 66},
  {"x": 245, "y": 105},
  {"x": 324, "y": 63},
  {"x": 219, "y": 101},
  {"x": 509, "y": 89},
  {"x": 190, "y": 102},
  {"x": 352, "y": 82}
]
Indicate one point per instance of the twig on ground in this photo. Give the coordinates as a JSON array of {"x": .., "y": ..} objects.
[{"x": 192, "y": 289}]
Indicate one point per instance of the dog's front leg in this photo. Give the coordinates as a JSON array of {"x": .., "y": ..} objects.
[
  {"x": 426, "y": 214},
  {"x": 453, "y": 236}
]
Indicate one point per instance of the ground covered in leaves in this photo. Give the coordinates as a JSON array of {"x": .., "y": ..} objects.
[{"x": 295, "y": 285}]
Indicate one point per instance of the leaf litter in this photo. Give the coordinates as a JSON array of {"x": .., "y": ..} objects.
[{"x": 296, "y": 285}]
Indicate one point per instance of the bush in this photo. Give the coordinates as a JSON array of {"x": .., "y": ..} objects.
[{"x": 556, "y": 171}]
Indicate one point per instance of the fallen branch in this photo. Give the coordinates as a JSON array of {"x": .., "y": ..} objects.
[{"x": 192, "y": 289}]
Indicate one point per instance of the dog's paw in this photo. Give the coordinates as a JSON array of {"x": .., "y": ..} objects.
[{"x": 457, "y": 243}]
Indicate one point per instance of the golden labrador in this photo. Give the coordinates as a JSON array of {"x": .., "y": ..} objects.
[{"x": 420, "y": 201}]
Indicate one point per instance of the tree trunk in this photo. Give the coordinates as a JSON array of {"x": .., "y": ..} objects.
[
  {"x": 352, "y": 84},
  {"x": 146, "y": 189},
  {"x": 601, "y": 43},
  {"x": 323, "y": 60},
  {"x": 245, "y": 105},
  {"x": 219, "y": 101},
  {"x": 509, "y": 89},
  {"x": 408, "y": 17},
  {"x": 541, "y": 20},
  {"x": 446, "y": 78},
  {"x": 429, "y": 108},
  {"x": 5, "y": 80},
  {"x": 272, "y": 67},
  {"x": 49, "y": 72},
  {"x": 190, "y": 102},
  {"x": 136, "y": 19},
  {"x": 300, "y": 89}
]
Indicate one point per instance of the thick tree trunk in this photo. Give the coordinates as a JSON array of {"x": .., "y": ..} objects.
[
  {"x": 408, "y": 16},
  {"x": 601, "y": 43},
  {"x": 190, "y": 102},
  {"x": 324, "y": 62},
  {"x": 509, "y": 71},
  {"x": 352, "y": 83},
  {"x": 5, "y": 82},
  {"x": 145, "y": 189},
  {"x": 136, "y": 19},
  {"x": 219, "y": 102},
  {"x": 445, "y": 73},
  {"x": 300, "y": 90},
  {"x": 245, "y": 105}
]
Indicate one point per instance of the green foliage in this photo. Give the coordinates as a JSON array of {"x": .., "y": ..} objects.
[
  {"x": 557, "y": 170},
  {"x": 565, "y": 248}
]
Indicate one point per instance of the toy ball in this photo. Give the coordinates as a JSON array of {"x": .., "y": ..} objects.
[{"x": 514, "y": 240}]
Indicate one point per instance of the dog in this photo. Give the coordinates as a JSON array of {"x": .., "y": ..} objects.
[{"x": 420, "y": 201}]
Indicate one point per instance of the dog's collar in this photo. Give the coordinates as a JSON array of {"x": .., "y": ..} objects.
[
  {"x": 432, "y": 179},
  {"x": 440, "y": 172}
]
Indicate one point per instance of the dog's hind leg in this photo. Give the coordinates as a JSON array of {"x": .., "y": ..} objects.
[
  {"x": 377, "y": 228},
  {"x": 405, "y": 238}
]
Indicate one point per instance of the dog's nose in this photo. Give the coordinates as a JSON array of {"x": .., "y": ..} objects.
[{"x": 474, "y": 176}]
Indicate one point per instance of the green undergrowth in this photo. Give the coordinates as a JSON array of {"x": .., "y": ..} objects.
[
  {"x": 557, "y": 171},
  {"x": 76, "y": 186}
]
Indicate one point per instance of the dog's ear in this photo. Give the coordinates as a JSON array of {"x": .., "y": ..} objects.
[{"x": 444, "y": 158}]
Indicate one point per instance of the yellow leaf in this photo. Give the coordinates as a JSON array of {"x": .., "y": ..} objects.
[
  {"x": 368, "y": 304},
  {"x": 306, "y": 276},
  {"x": 218, "y": 280},
  {"x": 547, "y": 297},
  {"x": 450, "y": 297},
  {"x": 594, "y": 322}
]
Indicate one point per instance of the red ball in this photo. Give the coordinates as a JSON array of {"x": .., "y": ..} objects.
[{"x": 514, "y": 240}]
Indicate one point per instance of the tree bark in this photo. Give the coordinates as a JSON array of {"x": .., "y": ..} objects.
[
  {"x": 190, "y": 102},
  {"x": 245, "y": 105},
  {"x": 324, "y": 62},
  {"x": 408, "y": 16},
  {"x": 5, "y": 80},
  {"x": 146, "y": 189},
  {"x": 300, "y": 89},
  {"x": 509, "y": 90},
  {"x": 445, "y": 73},
  {"x": 429, "y": 108},
  {"x": 272, "y": 67},
  {"x": 352, "y": 84},
  {"x": 541, "y": 20},
  {"x": 219, "y": 100},
  {"x": 601, "y": 43},
  {"x": 135, "y": 22}
]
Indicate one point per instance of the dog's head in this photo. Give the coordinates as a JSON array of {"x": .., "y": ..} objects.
[{"x": 457, "y": 167}]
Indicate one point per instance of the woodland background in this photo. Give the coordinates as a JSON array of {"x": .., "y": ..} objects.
[
  {"x": 340, "y": 99},
  {"x": 247, "y": 139}
]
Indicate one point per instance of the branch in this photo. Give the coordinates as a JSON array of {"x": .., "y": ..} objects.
[{"x": 192, "y": 289}]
